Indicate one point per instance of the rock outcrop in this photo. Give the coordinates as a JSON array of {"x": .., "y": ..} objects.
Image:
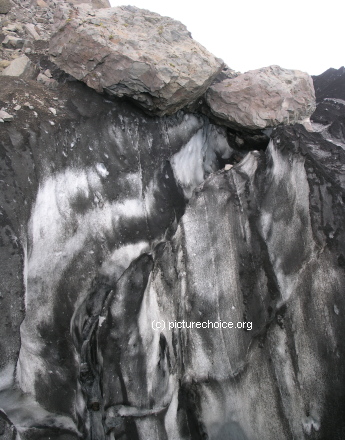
[
  {"x": 135, "y": 53},
  {"x": 262, "y": 98}
]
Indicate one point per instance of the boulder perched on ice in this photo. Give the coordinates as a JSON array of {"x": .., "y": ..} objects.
[
  {"x": 263, "y": 98},
  {"x": 134, "y": 53}
]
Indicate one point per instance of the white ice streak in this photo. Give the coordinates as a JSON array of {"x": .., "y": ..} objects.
[
  {"x": 121, "y": 258},
  {"x": 198, "y": 157},
  {"x": 58, "y": 231},
  {"x": 150, "y": 310},
  {"x": 188, "y": 164}
]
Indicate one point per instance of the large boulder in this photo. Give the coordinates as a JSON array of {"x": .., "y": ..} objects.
[
  {"x": 263, "y": 98},
  {"x": 135, "y": 53}
]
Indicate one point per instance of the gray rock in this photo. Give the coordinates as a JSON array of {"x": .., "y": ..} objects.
[
  {"x": 135, "y": 53},
  {"x": 21, "y": 66},
  {"x": 5, "y": 6},
  {"x": 31, "y": 31},
  {"x": 12, "y": 27},
  {"x": 5, "y": 116},
  {"x": 11, "y": 42},
  {"x": 262, "y": 98},
  {"x": 28, "y": 105},
  {"x": 48, "y": 82},
  {"x": 48, "y": 73}
]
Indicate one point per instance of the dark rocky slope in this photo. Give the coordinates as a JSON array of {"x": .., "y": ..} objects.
[
  {"x": 113, "y": 220},
  {"x": 330, "y": 84}
]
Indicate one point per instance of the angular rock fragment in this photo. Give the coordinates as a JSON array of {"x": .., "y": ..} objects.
[
  {"x": 31, "y": 30},
  {"x": 18, "y": 67},
  {"x": 5, "y": 116},
  {"x": 262, "y": 98},
  {"x": 135, "y": 53},
  {"x": 12, "y": 27},
  {"x": 13, "y": 42}
]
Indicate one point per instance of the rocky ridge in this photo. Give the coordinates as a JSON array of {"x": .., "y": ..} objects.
[{"x": 330, "y": 84}]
